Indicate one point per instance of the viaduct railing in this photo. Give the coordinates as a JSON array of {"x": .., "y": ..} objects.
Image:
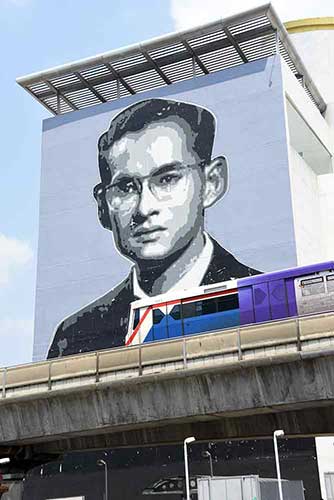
[{"x": 225, "y": 347}]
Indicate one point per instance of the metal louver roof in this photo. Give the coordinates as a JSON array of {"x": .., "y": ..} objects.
[{"x": 169, "y": 59}]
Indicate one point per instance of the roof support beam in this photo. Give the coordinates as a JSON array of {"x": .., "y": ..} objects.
[
  {"x": 90, "y": 87},
  {"x": 58, "y": 94},
  {"x": 165, "y": 60},
  {"x": 156, "y": 67},
  {"x": 155, "y": 43},
  {"x": 233, "y": 41},
  {"x": 260, "y": 22},
  {"x": 195, "y": 57},
  {"x": 119, "y": 78},
  {"x": 58, "y": 103}
]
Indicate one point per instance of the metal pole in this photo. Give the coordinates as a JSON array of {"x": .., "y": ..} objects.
[
  {"x": 208, "y": 454},
  {"x": 50, "y": 376},
  {"x": 239, "y": 345},
  {"x": 211, "y": 466},
  {"x": 210, "y": 488},
  {"x": 277, "y": 434},
  {"x": 97, "y": 367},
  {"x": 299, "y": 344},
  {"x": 106, "y": 479},
  {"x": 187, "y": 441},
  {"x": 104, "y": 463}
]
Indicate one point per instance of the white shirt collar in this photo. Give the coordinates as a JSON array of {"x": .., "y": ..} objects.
[{"x": 191, "y": 279}]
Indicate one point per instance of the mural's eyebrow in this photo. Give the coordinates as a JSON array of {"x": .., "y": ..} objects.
[
  {"x": 167, "y": 167},
  {"x": 119, "y": 176}
]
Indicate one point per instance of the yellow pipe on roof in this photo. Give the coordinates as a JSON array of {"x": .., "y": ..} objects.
[{"x": 310, "y": 24}]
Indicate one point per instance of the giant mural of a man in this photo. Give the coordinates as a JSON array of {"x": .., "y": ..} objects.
[{"x": 158, "y": 178}]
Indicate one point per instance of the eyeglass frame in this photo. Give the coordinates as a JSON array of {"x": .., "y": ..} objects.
[
  {"x": 104, "y": 209},
  {"x": 102, "y": 188}
]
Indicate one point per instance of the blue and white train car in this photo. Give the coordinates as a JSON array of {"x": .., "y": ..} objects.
[{"x": 255, "y": 299}]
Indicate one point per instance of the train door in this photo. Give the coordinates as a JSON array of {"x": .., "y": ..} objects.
[
  {"x": 191, "y": 312},
  {"x": 270, "y": 300},
  {"x": 160, "y": 322},
  {"x": 174, "y": 320},
  {"x": 278, "y": 299},
  {"x": 261, "y": 302}
]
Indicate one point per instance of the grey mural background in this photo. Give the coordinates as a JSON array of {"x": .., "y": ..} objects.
[{"x": 77, "y": 260}]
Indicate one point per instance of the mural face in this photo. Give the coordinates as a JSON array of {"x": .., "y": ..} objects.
[
  {"x": 156, "y": 181},
  {"x": 158, "y": 177},
  {"x": 191, "y": 185}
]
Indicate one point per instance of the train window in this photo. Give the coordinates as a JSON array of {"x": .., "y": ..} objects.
[
  {"x": 312, "y": 286},
  {"x": 209, "y": 306},
  {"x": 192, "y": 309},
  {"x": 176, "y": 312},
  {"x": 136, "y": 319},
  {"x": 330, "y": 282},
  {"x": 228, "y": 302},
  {"x": 198, "y": 308},
  {"x": 157, "y": 316}
]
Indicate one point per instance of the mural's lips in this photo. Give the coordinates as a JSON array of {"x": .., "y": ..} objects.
[{"x": 148, "y": 231}]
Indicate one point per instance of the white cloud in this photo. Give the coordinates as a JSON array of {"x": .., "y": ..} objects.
[
  {"x": 187, "y": 13},
  {"x": 13, "y": 255},
  {"x": 16, "y": 339}
]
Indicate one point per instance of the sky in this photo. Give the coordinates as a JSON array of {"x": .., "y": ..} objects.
[{"x": 36, "y": 35}]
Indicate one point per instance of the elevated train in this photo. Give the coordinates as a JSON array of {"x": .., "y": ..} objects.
[
  {"x": 207, "y": 317},
  {"x": 265, "y": 297}
]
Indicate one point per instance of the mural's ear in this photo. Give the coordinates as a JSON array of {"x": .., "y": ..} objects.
[
  {"x": 103, "y": 213},
  {"x": 216, "y": 180}
]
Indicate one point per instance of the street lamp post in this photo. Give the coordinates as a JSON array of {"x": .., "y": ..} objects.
[
  {"x": 187, "y": 441},
  {"x": 104, "y": 463},
  {"x": 208, "y": 454},
  {"x": 277, "y": 434}
]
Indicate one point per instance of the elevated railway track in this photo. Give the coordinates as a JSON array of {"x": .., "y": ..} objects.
[
  {"x": 294, "y": 338},
  {"x": 238, "y": 383}
]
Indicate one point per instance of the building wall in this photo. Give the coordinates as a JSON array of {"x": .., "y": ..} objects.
[
  {"x": 307, "y": 211},
  {"x": 309, "y": 136},
  {"x": 316, "y": 49},
  {"x": 77, "y": 259},
  {"x": 326, "y": 195}
]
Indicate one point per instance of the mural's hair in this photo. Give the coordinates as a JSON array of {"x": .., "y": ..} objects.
[{"x": 143, "y": 113}]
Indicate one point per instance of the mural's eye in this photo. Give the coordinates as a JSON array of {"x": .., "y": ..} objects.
[
  {"x": 125, "y": 186},
  {"x": 168, "y": 180}
]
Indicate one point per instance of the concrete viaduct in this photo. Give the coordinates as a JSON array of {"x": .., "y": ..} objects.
[{"x": 227, "y": 385}]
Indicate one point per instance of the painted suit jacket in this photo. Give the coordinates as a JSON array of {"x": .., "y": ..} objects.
[{"x": 103, "y": 323}]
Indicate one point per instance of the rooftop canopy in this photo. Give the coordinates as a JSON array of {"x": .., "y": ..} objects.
[{"x": 168, "y": 59}]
